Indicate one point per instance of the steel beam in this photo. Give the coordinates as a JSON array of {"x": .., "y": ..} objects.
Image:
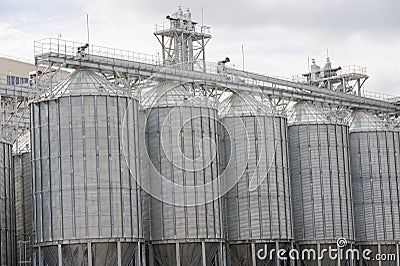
[{"x": 251, "y": 82}]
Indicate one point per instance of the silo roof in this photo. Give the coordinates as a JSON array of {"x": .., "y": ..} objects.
[
  {"x": 87, "y": 82},
  {"x": 172, "y": 94},
  {"x": 245, "y": 105},
  {"x": 307, "y": 113},
  {"x": 362, "y": 120}
]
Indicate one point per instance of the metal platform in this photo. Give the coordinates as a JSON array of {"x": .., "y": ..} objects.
[{"x": 61, "y": 53}]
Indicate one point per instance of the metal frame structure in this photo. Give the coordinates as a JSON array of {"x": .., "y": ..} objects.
[
  {"x": 133, "y": 67},
  {"x": 183, "y": 61},
  {"x": 183, "y": 41},
  {"x": 14, "y": 111}
]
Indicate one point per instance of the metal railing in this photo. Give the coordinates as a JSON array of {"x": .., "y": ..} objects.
[
  {"x": 352, "y": 69},
  {"x": 52, "y": 46},
  {"x": 195, "y": 28},
  {"x": 381, "y": 96}
]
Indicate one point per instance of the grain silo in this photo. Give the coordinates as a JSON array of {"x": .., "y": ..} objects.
[
  {"x": 7, "y": 207},
  {"x": 85, "y": 155},
  {"x": 375, "y": 166},
  {"x": 320, "y": 174},
  {"x": 184, "y": 207},
  {"x": 23, "y": 199},
  {"x": 258, "y": 207}
]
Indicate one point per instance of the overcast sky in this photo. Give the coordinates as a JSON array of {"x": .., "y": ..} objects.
[{"x": 278, "y": 36}]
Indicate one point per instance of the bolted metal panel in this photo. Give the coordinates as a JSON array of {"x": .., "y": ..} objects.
[
  {"x": 84, "y": 183},
  {"x": 85, "y": 155},
  {"x": 375, "y": 165},
  {"x": 192, "y": 221},
  {"x": 256, "y": 164},
  {"x": 321, "y": 187},
  {"x": 183, "y": 213},
  {"x": 23, "y": 206},
  {"x": 7, "y": 207}
]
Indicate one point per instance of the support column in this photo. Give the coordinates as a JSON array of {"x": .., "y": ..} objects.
[
  {"x": 379, "y": 252},
  {"x": 203, "y": 252},
  {"x": 253, "y": 254},
  {"x": 277, "y": 251},
  {"x": 397, "y": 255},
  {"x": 143, "y": 250},
  {"x": 119, "y": 253},
  {"x": 177, "y": 254},
  {"x": 292, "y": 262},
  {"x": 222, "y": 255},
  {"x": 60, "y": 259},
  {"x": 40, "y": 256},
  {"x": 89, "y": 248},
  {"x": 318, "y": 253}
]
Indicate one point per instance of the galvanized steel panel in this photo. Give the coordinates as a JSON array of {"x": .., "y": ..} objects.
[
  {"x": 23, "y": 206},
  {"x": 7, "y": 207},
  {"x": 265, "y": 213},
  {"x": 85, "y": 153},
  {"x": 182, "y": 215},
  {"x": 321, "y": 188},
  {"x": 375, "y": 165}
]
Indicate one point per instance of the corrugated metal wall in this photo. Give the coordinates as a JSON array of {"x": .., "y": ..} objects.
[
  {"x": 320, "y": 174},
  {"x": 85, "y": 162},
  {"x": 375, "y": 165},
  {"x": 321, "y": 188},
  {"x": 170, "y": 221},
  {"x": 264, "y": 213},
  {"x": 255, "y": 171},
  {"x": 375, "y": 171},
  {"x": 183, "y": 209},
  {"x": 23, "y": 207},
  {"x": 7, "y": 206}
]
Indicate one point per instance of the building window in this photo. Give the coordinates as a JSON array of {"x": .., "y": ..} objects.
[{"x": 12, "y": 80}]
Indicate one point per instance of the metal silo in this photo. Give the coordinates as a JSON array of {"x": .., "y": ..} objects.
[
  {"x": 23, "y": 199},
  {"x": 375, "y": 166},
  {"x": 7, "y": 207},
  {"x": 258, "y": 204},
  {"x": 85, "y": 155},
  {"x": 320, "y": 179},
  {"x": 184, "y": 207}
]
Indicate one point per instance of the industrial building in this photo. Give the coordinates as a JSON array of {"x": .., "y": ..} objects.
[{"x": 111, "y": 157}]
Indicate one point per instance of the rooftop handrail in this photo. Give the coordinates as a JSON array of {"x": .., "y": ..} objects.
[
  {"x": 352, "y": 69},
  {"x": 70, "y": 48},
  {"x": 381, "y": 96},
  {"x": 197, "y": 28}
]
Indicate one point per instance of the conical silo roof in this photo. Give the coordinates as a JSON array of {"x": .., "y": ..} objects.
[
  {"x": 172, "y": 94},
  {"x": 362, "y": 120},
  {"x": 307, "y": 113},
  {"x": 244, "y": 105},
  {"x": 86, "y": 82}
]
